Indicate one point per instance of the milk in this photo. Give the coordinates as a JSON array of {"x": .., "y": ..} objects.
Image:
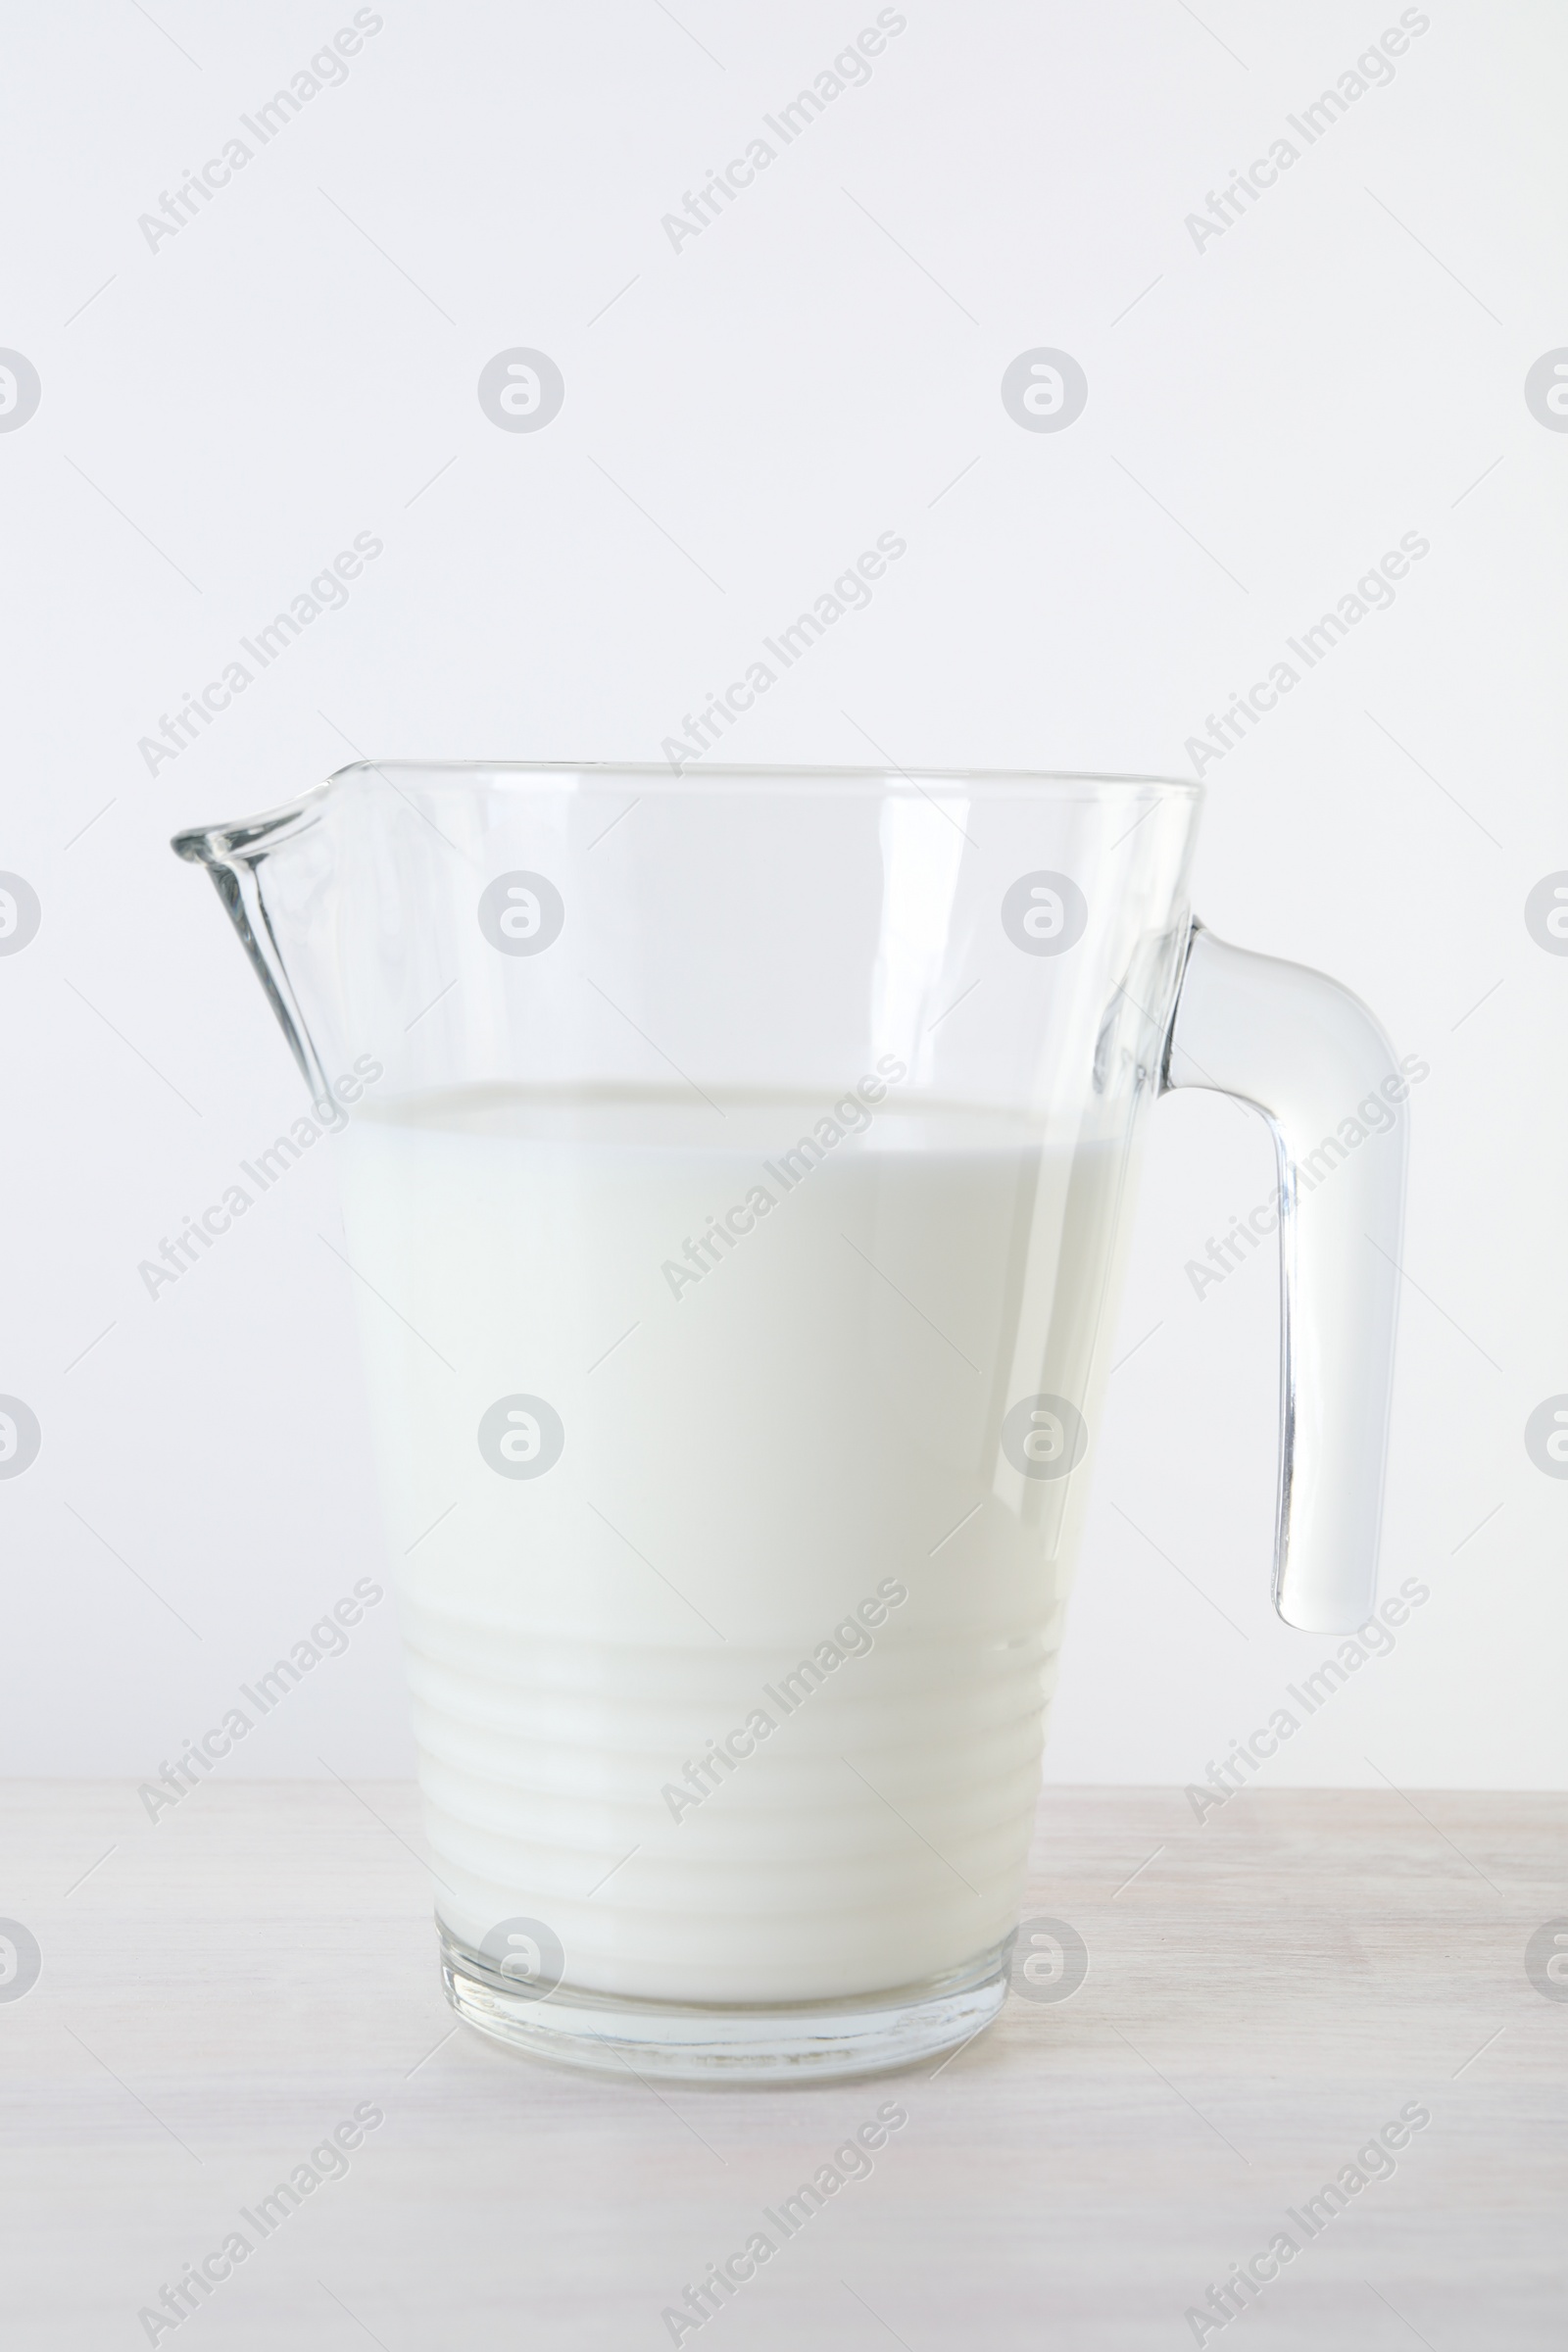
[{"x": 731, "y": 1647}]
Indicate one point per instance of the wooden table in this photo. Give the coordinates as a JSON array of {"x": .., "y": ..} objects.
[{"x": 1266, "y": 1993}]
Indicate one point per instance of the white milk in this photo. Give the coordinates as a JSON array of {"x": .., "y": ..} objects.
[{"x": 721, "y": 1697}]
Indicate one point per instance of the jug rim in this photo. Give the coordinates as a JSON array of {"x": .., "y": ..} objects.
[
  {"x": 802, "y": 771},
  {"x": 203, "y": 843}
]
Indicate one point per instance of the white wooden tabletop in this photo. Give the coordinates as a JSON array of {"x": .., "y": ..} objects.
[{"x": 1266, "y": 1994}]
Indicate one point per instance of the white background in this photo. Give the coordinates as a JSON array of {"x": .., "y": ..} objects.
[{"x": 1344, "y": 365}]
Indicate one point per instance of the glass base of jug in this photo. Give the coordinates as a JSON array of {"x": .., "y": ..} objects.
[{"x": 673, "y": 2042}]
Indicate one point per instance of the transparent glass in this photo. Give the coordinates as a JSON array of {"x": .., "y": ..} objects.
[{"x": 735, "y": 1177}]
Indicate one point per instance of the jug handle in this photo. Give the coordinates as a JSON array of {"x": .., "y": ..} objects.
[{"x": 1308, "y": 1054}]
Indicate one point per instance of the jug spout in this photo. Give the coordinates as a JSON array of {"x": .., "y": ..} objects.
[
  {"x": 272, "y": 873},
  {"x": 361, "y": 906}
]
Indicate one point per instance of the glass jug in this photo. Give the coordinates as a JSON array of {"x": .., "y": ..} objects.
[{"x": 736, "y": 1172}]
